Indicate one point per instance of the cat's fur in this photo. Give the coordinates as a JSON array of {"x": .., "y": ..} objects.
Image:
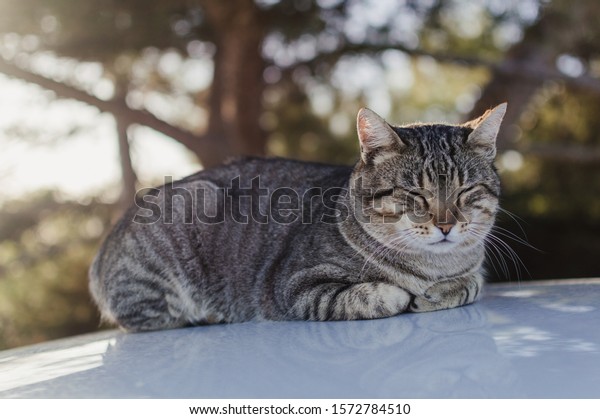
[{"x": 340, "y": 243}]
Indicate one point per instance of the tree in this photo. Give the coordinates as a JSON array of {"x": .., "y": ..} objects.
[
  {"x": 531, "y": 63},
  {"x": 287, "y": 77}
]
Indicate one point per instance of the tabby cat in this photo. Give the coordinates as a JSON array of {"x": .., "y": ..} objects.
[{"x": 274, "y": 239}]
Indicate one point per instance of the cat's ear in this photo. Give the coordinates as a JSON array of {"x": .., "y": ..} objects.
[
  {"x": 374, "y": 133},
  {"x": 485, "y": 130}
]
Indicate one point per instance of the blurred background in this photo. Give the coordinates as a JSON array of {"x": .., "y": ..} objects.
[{"x": 101, "y": 98}]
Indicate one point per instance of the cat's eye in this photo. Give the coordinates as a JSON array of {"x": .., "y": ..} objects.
[
  {"x": 466, "y": 193},
  {"x": 416, "y": 197},
  {"x": 462, "y": 192},
  {"x": 417, "y": 203}
]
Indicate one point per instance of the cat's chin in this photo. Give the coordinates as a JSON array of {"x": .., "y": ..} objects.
[
  {"x": 449, "y": 246},
  {"x": 443, "y": 246},
  {"x": 440, "y": 247}
]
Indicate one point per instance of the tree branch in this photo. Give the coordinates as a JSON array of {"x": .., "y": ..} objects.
[
  {"x": 118, "y": 108},
  {"x": 414, "y": 52},
  {"x": 564, "y": 154},
  {"x": 535, "y": 71},
  {"x": 200, "y": 144},
  {"x": 514, "y": 68}
]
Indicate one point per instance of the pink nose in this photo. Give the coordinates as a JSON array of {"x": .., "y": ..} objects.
[{"x": 445, "y": 227}]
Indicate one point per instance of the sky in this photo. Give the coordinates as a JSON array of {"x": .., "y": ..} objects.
[{"x": 84, "y": 163}]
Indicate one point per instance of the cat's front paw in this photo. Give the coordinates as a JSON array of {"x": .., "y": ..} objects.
[
  {"x": 371, "y": 300},
  {"x": 447, "y": 294},
  {"x": 392, "y": 300}
]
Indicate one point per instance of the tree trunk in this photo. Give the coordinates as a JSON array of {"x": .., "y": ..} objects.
[
  {"x": 237, "y": 88},
  {"x": 510, "y": 86},
  {"x": 128, "y": 176}
]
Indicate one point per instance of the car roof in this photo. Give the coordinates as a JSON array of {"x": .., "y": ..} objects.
[{"x": 527, "y": 340}]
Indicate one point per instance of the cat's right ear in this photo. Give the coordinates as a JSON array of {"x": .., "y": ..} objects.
[
  {"x": 374, "y": 134},
  {"x": 485, "y": 131}
]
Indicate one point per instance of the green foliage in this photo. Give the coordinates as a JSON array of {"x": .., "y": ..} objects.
[
  {"x": 557, "y": 187},
  {"x": 100, "y": 30},
  {"x": 556, "y": 198},
  {"x": 44, "y": 258}
]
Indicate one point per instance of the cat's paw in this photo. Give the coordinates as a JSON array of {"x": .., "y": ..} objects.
[
  {"x": 392, "y": 300},
  {"x": 446, "y": 294},
  {"x": 371, "y": 300}
]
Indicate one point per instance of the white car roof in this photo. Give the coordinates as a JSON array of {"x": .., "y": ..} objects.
[{"x": 529, "y": 340}]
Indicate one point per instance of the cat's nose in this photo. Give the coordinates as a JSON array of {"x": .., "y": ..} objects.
[{"x": 445, "y": 227}]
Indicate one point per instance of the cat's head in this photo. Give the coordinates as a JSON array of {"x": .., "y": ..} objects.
[{"x": 427, "y": 187}]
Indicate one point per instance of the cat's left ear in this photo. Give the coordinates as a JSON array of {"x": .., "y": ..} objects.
[
  {"x": 375, "y": 134},
  {"x": 485, "y": 131}
]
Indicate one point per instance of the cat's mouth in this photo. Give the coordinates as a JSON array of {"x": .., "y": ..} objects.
[
  {"x": 442, "y": 246},
  {"x": 443, "y": 242}
]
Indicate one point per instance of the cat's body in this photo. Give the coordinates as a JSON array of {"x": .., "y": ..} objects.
[{"x": 274, "y": 239}]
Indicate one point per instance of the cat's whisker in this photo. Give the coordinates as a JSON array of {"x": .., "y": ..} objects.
[
  {"x": 403, "y": 239},
  {"x": 512, "y": 236},
  {"x": 408, "y": 237},
  {"x": 503, "y": 251},
  {"x": 495, "y": 262},
  {"x": 383, "y": 248},
  {"x": 400, "y": 251},
  {"x": 494, "y": 251},
  {"x": 515, "y": 218},
  {"x": 513, "y": 255},
  {"x": 507, "y": 250},
  {"x": 499, "y": 258}
]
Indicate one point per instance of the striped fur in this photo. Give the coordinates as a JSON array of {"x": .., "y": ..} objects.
[{"x": 362, "y": 242}]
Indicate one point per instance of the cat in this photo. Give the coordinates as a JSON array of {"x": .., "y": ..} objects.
[{"x": 403, "y": 230}]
